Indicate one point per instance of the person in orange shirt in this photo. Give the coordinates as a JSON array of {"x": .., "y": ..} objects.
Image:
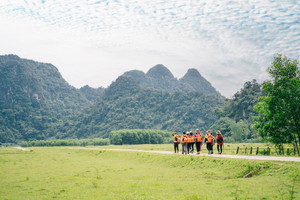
[
  {"x": 176, "y": 142},
  {"x": 210, "y": 141},
  {"x": 192, "y": 141},
  {"x": 184, "y": 143},
  {"x": 199, "y": 141},
  {"x": 188, "y": 145}
]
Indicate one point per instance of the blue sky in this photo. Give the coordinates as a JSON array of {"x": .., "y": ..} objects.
[{"x": 94, "y": 41}]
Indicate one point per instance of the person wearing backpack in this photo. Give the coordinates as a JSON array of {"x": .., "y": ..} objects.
[
  {"x": 219, "y": 142},
  {"x": 210, "y": 141},
  {"x": 176, "y": 142},
  {"x": 199, "y": 141}
]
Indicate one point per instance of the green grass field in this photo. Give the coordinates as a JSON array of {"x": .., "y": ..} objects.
[{"x": 61, "y": 173}]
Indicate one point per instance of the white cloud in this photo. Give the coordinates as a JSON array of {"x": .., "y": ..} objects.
[{"x": 92, "y": 41}]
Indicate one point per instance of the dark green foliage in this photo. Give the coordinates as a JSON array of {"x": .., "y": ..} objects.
[
  {"x": 236, "y": 117},
  {"x": 67, "y": 142},
  {"x": 37, "y": 103},
  {"x": 224, "y": 125},
  {"x": 234, "y": 131},
  {"x": 140, "y": 136},
  {"x": 279, "y": 111},
  {"x": 240, "y": 107},
  {"x": 92, "y": 94},
  {"x": 193, "y": 81},
  {"x": 34, "y": 99},
  {"x": 126, "y": 105}
]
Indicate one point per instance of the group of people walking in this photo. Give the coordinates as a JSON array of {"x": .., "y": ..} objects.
[{"x": 188, "y": 141}]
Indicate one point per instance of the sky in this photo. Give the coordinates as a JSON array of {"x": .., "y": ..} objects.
[{"x": 92, "y": 42}]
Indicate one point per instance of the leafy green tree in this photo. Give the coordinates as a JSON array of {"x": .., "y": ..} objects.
[
  {"x": 224, "y": 124},
  {"x": 240, "y": 131},
  {"x": 279, "y": 111},
  {"x": 239, "y": 113},
  {"x": 240, "y": 107}
]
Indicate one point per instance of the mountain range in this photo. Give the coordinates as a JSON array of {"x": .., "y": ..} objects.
[
  {"x": 160, "y": 77},
  {"x": 37, "y": 103}
]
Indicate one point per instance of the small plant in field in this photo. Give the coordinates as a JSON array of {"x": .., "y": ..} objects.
[
  {"x": 195, "y": 197},
  {"x": 252, "y": 169},
  {"x": 235, "y": 194},
  {"x": 281, "y": 194},
  {"x": 292, "y": 190},
  {"x": 95, "y": 185}
]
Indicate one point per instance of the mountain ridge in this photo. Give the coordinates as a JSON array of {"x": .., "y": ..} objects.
[
  {"x": 38, "y": 103},
  {"x": 160, "y": 77}
]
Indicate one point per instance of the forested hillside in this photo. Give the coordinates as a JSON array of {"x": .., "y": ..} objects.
[
  {"x": 127, "y": 105},
  {"x": 34, "y": 99},
  {"x": 92, "y": 94},
  {"x": 236, "y": 117},
  {"x": 37, "y": 103}
]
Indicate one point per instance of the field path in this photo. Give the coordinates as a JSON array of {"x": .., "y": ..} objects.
[
  {"x": 22, "y": 148},
  {"x": 273, "y": 158}
]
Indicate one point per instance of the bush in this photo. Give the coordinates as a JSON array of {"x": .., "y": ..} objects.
[{"x": 140, "y": 136}]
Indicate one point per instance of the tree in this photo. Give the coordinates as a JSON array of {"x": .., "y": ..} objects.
[
  {"x": 240, "y": 107},
  {"x": 224, "y": 125},
  {"x": 279, "y": 111},
  {"x": 240, "y": 131}
]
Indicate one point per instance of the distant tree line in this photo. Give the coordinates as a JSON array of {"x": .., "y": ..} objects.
[
  {"x": 66, "y": 142},
  {"x": 139, "y": 136}
]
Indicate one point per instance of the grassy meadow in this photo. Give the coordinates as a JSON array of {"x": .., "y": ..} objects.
[{"x": 62, "y": 173}]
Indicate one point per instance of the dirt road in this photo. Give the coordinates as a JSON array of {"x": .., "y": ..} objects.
[
  {"x": 273, "y": 158},
  {"x": 22, "y": 148},
  {"x": 289, "y": 159}
]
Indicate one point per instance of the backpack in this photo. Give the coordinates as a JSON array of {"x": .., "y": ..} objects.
[
  {"x": 199, "y": 138},
  {"x": 210, "y": 139},
  {"x": 220, "y": 139}
]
